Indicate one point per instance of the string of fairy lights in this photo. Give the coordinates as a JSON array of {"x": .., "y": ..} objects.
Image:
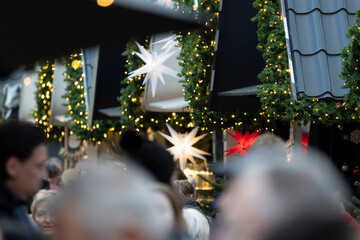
[
  {"x": 74, "y": 76},
  {"x": 131, "y": 95},
  {"x": 197, "y": 53},
  {"x": 44, "y": 89},
  {"x": 351, "y": 71},
  {"x": 196, "y": 58},
  {"x": 275, "y": 95}
]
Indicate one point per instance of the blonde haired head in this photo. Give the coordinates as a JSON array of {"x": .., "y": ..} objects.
[{"x": 41, "y": 196}]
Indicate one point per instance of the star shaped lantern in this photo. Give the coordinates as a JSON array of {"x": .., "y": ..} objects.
[
  {"x": 170, "y": 43},
  {"x": 245, "y": 142},
  {"x": 154, "y": 67},
  {"x": 183, "y": 149}
]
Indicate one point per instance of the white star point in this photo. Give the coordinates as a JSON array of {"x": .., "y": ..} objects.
[
  {"x": 183, "y": 149},
  {"x": 154, "y": 67}
]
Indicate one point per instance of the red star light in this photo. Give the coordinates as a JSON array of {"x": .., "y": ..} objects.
[{"x": 245, "y": 141}]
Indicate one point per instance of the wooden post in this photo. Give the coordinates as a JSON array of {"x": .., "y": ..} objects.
[
  {"x": 218, "y": 147},
  {"x": 292, "y": 141},
  {"x": 66, "y": 142},
  {"x": 295, "y": 141},
  {"x": 97, "y": 153}
]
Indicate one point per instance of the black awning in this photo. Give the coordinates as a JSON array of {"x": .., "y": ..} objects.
[
  {"x": 34, "y": 30},
  {"x": 109, "y": 71},
  {"x": 237, "y": 61}
]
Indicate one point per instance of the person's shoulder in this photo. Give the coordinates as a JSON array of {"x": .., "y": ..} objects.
[{"x": 188, "y": 201}]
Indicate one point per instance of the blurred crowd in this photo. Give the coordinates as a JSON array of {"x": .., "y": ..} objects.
[{"x": 142, "y": 196}]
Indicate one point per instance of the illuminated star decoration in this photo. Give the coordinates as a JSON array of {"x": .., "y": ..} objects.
[
  {"x": 245, "y": 141},
  {"x": 154, "y": 67},
  {"x": 170, "y": 43},
  {"x": 165, "y": 3},
  {"x": 183, "y": 149}
]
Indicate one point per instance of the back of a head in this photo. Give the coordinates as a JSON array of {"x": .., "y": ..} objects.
[
  {"x": 18, "y": 139},
  {"x": 69, "y": 176},
  {"x": 183, "y": 188},
  {"x": 175, "y": 204},
  {"x": 149, "y": 155},
  {"x": 112, "y": 201},
  {"x": 312, "y": 229},
  {"x": 270, "y": 142},
  {"x": 197, "y": 224},
  {"x": 295, "y": 190},
  {"x": 53, "y": 167}
]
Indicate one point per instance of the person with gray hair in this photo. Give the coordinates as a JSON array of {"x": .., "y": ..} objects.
[
  {"x": 54, "y": 170},
  {"x": 270, "y": 199},
  {"x": 270, "y": 142},
  {"x": 110, "y": 203}
]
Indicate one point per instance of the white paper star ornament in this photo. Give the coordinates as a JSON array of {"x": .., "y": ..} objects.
[
  {"x": 154, "y": 67},
  {"x": 170, "y": 43},
  {"x": 183, "y": 149}
]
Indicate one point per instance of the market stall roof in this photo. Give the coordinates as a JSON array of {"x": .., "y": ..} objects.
[
  {"x": 237, "y": 62},
  {"x": 316, "y": 33},
  {"x": 34, "y": 30},
  {"x": 105, "y": 69}
]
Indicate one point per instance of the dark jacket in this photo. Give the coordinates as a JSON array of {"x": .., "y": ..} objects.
[
  {"x": 190, "y": 203},
  {"x": 11, "y": 208}
]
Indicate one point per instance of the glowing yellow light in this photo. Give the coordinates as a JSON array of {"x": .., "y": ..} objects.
[
  {"x": 27, "y": 81},
  {"x": 104, "y": 3},
  {"x": 76, "y": 64}
]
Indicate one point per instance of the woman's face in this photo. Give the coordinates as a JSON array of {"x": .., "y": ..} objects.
[
  {"x": 45, "y": 220},
  {"x": 164, "y": 207}
]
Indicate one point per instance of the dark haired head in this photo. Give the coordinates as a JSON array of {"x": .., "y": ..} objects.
[
  {"x": 151, "y": 156},
  {"x": 18, "y": 139}
]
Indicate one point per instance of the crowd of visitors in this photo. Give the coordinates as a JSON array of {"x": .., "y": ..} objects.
[{"x": 147, "y": 198}]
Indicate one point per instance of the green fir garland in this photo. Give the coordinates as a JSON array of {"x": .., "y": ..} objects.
[
  {"x": 197, "y": 53},
  {"x": 196, "y": 58},
  {"x": 275, "y": 94},
  {"x": 351, "y": 71},
  {"x": 44, "y": 89},
  {"x": 75, "y": 95}
]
